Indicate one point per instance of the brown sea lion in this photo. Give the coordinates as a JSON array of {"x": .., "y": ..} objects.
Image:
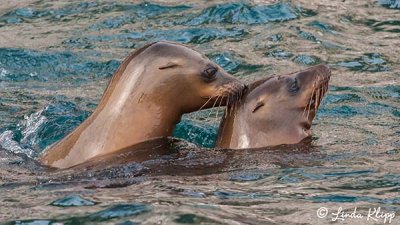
[
  {"x": 145, "y": 99},
  {"x": 274, "y": 111}
]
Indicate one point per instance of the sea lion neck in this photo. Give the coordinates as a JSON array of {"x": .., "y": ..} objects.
[
  {"x": 134, "y": 110},
  {"x": 139, "y": 102},
  {"x": 140, "y": 89}
]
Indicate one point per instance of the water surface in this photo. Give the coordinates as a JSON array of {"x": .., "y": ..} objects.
[{"x": 56, "y": 59}]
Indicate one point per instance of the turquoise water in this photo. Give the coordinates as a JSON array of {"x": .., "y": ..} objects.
[{"x": 56, "y": 58}]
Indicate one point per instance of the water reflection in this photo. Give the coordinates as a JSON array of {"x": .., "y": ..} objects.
[{"x": 55, "y": 61}]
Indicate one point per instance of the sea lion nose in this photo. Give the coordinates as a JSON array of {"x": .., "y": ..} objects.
[{"x": 324, "y": 70}]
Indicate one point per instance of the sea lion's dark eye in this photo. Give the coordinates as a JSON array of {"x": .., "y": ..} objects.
[
  {"x": 294, "y": 86},
  {"x": 209, "y": 73}
]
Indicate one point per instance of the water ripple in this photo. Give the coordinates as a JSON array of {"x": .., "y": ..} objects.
[{"x": 244, "y": 13}]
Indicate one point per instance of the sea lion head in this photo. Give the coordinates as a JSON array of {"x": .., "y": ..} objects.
[
  {"x": 280, "y": 109},
  {"x": 191, "y": 80}
]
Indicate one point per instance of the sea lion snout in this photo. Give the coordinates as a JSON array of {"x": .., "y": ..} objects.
[
  {"x": 231, "y": 83},
  {"x": 226, "y": 89},
  {"x": 317, "y": 80},
  {"x": 319, "y": 73}
]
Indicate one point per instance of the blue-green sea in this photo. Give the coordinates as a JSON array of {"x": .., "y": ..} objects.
[{"x": 56, "y": 58}]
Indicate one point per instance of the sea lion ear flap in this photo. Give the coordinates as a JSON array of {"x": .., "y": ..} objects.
[{"x": 258, "y": 105}]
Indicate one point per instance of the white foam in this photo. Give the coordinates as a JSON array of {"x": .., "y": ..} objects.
[
  {"x": 7, "y": 142},
  {"x": 33, "y": 74},
  {"x": 31, "y": 125},
  {"x": 3, "y": 72}
]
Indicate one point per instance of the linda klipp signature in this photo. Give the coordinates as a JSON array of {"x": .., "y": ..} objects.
[{"x": 373, "y": 214}]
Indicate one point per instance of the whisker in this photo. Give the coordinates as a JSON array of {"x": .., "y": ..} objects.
[
  {"x": 309, "y": 105},
  {"x": 198, "y": 115},
  {"x": 323, "y": 89},
  {"x": 317, "y": 98},
  {"x": 227, "y": 110},
  {"x": 209, "y": 99},
  {"x": 326, "y": 86},
  {"x": 309, "y": 101},
  {"x": 216, "y": 114},
  {"x": 236, "y": 102},
  {"x": 228, "y": 105},
  {"x": 232, "y": 108},
  {"x": 241, "y": 96},
  {"x": 239, "y": 99},
  {"x": 212, "y": 108}
]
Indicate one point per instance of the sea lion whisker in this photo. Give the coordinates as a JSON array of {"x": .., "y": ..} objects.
[
  {"x": 308, "y": 109},
  {"x": 240, "y": 94},
  {"x": 317, "y": 97},
  {"x": 239, "y": 100},
  {"x": 309, "y": 104},
  {"x": 321, "y": 95},
  {"x": 322, "y": 89},
  {"x": 305, "y": 107},
  {"x": 236, "y": 102},
  {"x": 198, "y": 115},
  {"x": 231, "y": 107},
  {"x": 220, "y": 102},
  {"x": 215, "y": 102},
  {"x": 326, "y": 86},
  {"x": 309, "y": 101},
  {"x": 227, "y": 106},
  {"x": 209, "y": 99}
]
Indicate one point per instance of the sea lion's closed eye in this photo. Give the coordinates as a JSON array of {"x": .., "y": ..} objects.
[
  {"x": 258, "y": 105},
  {"x": 169, "y": 65}
]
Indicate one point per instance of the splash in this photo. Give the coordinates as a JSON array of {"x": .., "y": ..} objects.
[
  {"x": 30, "y": 126},
  {"x": 29, "y": 129},
  {"x": 8, "y": 143}
]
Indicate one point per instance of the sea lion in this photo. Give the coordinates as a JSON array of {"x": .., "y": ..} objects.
[
  {"x": 145, "y": 99},
  {"x": 274, "y": 111}
]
